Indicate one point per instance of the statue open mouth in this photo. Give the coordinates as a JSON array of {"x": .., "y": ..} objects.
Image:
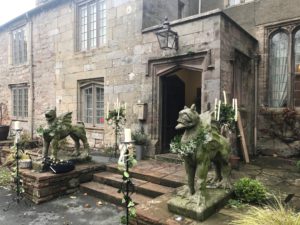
[{"x": 180, "y": 125}]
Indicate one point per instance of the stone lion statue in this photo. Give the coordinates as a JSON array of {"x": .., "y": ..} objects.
[
  {"x": 215, "y": 149},
  {"x": 59, "y": 128}
]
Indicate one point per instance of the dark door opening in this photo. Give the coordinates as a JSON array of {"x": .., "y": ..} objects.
[{"x": 173, "y": 100}]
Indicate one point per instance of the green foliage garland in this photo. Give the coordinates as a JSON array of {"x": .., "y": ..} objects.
[
  {"x": 227, "y": 116},
  {"x": 185, "y": 149},
  {"x": 127, "y": 182}
]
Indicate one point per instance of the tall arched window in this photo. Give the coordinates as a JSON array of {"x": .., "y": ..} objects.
[
  {"x": 296, "y": 61},
  {"x": 278, "y": 69}
]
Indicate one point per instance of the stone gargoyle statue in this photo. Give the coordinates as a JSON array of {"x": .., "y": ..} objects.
[
  {"x": 59, "y": 128},
  {"x": 209, "y": 146}
]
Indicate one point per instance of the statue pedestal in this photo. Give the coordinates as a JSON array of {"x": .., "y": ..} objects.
[{"x": 189, "y": 207}]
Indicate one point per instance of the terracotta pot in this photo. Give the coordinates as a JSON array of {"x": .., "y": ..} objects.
[
  {"x": 3, "y": 132},
  {"x": 234, "y": 161}
]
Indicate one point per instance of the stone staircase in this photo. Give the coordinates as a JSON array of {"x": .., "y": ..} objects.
[{"x": 149, "y": 184}]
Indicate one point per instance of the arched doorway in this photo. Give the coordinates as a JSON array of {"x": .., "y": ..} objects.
[
  {"x": 179, "y": 88},
  {"x": 176, "y": 81}
]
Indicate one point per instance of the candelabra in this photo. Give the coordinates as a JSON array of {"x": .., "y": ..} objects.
[
  {"x": 116, "y": 119},
  {"x": 19, "y": 196},
  {"x": 127, "y": 161}
]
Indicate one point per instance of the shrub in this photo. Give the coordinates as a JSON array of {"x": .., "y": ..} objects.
[
  {"x": 5, "y": 177},
  {"x": 273, "y": 215},
  {"x": 298, "y": 165},
  {"x": 250, "y": 191},
  {"x": 140, "y": 138}
]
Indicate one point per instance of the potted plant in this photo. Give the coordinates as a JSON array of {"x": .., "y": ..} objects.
[
  {"x": 4, "y": 129},
  {"x": 140, "y": 140}
]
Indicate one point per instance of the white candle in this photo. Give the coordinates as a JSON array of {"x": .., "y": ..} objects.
[
  {"x": 215, "y": 110},
  {"x": 125, "y": 106},
  {"x": 107, "y": 112},
  {"x": 219, "y": 107},
  {"x": 17, "y": 125},
  {"x": 127, "y": 135},
  {"x": 236, "y": 110},
  {"x": 225, "y": 100},
  {"x": 232, "y": 104}
]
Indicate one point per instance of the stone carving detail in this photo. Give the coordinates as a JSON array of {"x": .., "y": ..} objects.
[
  {"x": 215, "y": 148},
  {"x": 59, "y": 128}
]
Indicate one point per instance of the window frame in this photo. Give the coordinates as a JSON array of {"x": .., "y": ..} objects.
[
  {"x": 290, "y": 28},
  {"x": 24, "y": 56},
  {"x": 289, "y": 78},
  {"x": 24, "y": 114},
  {"x": 99, "y": 35},
  {"x": 94, "y": 84}
]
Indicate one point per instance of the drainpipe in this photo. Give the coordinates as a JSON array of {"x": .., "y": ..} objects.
[
  {"x": 256, "y": 61},
  {"x": 31, "y": 75}
]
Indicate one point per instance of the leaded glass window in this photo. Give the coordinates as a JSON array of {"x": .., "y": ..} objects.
[
  {"x": 278, "y": 74},
  {"x": 19, "y": 46},
  {"x": 92, "y": 104},
  {"x": 20, "y": 102},
  {"x": 297, "y": 69},
  {"x": 91, "y": 24}
]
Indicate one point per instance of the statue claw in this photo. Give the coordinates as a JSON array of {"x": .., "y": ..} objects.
[
  {"x": 201, "y": 200},
  {"x": 224, "y": 184}
]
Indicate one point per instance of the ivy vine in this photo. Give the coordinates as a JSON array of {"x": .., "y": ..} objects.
[{"x": 127, "y": 189}]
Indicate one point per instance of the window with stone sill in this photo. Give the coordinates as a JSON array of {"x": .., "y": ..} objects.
[
  {"x": 284, "y": 87},
  {"x": 91, "y": 24},
  {"x": 234, "y": 2},
  {"x": 19, "y": 46},
  {"x": 20, "y": 102},
  {"x": 92, "y": 103}
]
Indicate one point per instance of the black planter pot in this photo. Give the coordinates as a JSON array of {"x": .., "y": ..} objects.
[{"x": 3, "y": 132}]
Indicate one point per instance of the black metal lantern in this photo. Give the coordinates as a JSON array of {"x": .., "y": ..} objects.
[{"x": 167, "y": 38}]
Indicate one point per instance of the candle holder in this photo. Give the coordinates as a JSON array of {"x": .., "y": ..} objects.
[
  {"x": 127, "y": 187},
  {"x": 19, "y": 193},
  {"x": 116, "y": 119}
]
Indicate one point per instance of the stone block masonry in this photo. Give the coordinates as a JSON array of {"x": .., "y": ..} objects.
[{"x": 42, "y": 187}]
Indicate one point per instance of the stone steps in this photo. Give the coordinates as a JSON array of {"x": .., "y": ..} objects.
[
  {"x": 110, "y": 194},
  {"x": 169, "y": 157},
  {"x": 141, "y": 186},
  {"x": 161, "y": 177},
  {"x": 150, "y": 181}
]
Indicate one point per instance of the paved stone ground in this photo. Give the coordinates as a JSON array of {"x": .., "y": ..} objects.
[
  {"x": 278, "y": 175},
  {"x": 77, "y": 209}
]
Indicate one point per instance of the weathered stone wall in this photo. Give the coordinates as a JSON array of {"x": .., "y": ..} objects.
[
  {"x": 208, "y": 5},
  {"x": 122, "y": 63},
  {"x": 236, "y": 44},
  {"x": 255, "y": 17},
  {"x": 155, "y": 11}
]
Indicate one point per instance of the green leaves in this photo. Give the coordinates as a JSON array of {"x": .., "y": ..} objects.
[
  {"x": 126, "y": 183},
  {"x": 126, "y": 174},
  {"x": 185, "y": 149},
  {"x": 250, "y": 191}
]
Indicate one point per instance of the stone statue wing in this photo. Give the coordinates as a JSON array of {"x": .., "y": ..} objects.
[{"x": 65, "y": 119}]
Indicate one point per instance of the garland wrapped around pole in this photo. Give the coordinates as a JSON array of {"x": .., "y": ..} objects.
[{"x": 127, "y": 161}]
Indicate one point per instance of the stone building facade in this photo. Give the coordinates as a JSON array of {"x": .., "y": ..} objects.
[{"x": 80, "y": 56}]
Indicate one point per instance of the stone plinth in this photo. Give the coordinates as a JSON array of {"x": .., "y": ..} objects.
[
  {"x": 188, "y": 206},
  {"x": 42, "y": 187}
]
